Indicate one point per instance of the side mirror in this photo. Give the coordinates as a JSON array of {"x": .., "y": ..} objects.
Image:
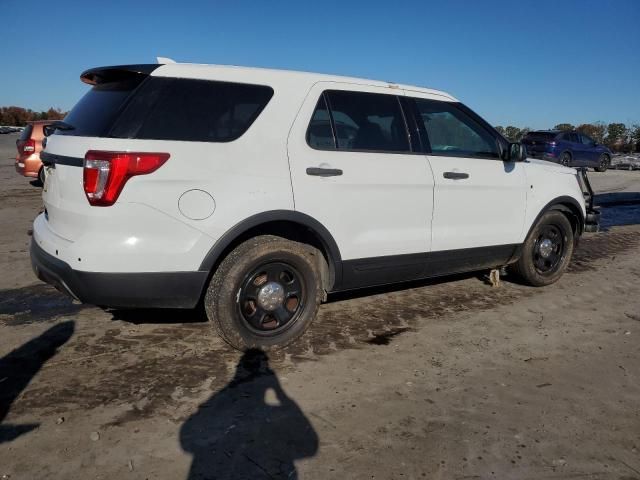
[{"x": 517, "y": 152}]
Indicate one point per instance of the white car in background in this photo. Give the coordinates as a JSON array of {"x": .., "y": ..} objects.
[{"x": 259, "y": 191}]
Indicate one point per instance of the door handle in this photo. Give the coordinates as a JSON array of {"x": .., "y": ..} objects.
[
  {"x": 324, "y": 172},
  {"x": 455, "y": 175}
]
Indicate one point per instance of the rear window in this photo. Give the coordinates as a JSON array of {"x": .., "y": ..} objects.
[
  {"x": 162, "y": 108},
  {"x": 541, "y": 136},
  {"x": 26, "y": 133},
  {"x": 191, "y": 110},
  {"x": 95, "y": 113}
]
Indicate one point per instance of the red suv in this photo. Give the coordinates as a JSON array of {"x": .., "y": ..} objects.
[{"x": 29, "y": 146}]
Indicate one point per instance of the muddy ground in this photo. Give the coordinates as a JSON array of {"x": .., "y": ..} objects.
[{"x": 451, "y": 379}]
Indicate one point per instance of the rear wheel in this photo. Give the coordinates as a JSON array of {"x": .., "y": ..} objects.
[
  {"x": 546, "y": 251},
  {"x": 42, "y": 175},
  {"x": 603, "y": 163},
  {"x": 565, "y": 159},
  {"x": 265, "y": 293}
]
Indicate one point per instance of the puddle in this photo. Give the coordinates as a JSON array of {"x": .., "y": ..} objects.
[
  {"x": 620, "y": 215},
  {"x": 37, "y": 303}
]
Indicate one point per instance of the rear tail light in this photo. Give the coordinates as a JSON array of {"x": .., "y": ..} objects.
[
  {"x": 26, "y": 146},
  {"x": 106, "y": 173}
]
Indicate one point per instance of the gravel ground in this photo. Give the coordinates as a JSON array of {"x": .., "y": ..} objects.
[{"x": 446, "y": 379}]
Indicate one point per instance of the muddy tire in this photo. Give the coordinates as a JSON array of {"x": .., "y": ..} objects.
[
  {"x": 265, "y": 293},
  {"x": 547, "y": 251}
]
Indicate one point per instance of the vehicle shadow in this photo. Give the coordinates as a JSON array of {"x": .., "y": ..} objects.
[
  {"x": 618, "y": 208},
  {"x": 399, "y": 287},
  {"x": 18, "y": 368},
  {"x": 160, "y": 316},
  {"x": 249, "y": 429},
  {"x": 35, "y": 303}
]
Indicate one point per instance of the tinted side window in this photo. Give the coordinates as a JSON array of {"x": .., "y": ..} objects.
[
  {"x": 94, "y": 114},
  {"x": 320, "y": 133},
  {"x": 566, "y": 137},
  {"x": 368, "y": 121},
  {"x": 191, "y": 110},
  {"x": 451, "y": 132}
]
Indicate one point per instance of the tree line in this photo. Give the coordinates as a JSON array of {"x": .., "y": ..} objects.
[
  {"x": 18, "y": 116},
  {"x": 617, "y": 136}
]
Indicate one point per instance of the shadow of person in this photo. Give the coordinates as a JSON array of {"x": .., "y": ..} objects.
[
  {"x": 250, "y": 429},
  {"x": 19, "y": 366}
]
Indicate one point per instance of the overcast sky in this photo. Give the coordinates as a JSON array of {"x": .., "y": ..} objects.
[{"x": 525, "y": 63}]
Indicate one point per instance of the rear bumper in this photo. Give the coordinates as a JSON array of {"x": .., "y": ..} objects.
[
  {"x": 28, "y": 166},
  {"x": 125, "y": 290}
]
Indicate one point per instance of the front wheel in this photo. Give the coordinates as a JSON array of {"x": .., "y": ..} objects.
[
  {"x": 546, "y": 251},
  {"x": 265, "y": 293},
  {"x": 603, "y": 164}
]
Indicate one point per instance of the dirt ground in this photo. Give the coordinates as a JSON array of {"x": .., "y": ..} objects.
[{"x": 450, "y": 379}]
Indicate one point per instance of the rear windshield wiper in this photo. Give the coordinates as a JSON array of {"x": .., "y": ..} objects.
[{"x": 57, "y": 125}]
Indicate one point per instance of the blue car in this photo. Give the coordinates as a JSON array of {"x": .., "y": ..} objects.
[{"x": 573, "y": 149}]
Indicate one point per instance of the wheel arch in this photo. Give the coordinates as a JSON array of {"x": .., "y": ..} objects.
[
  {"x": 288, "y": 224},
  {"x": 570, "y": 207},
  {"x": 569, "y": 152}
]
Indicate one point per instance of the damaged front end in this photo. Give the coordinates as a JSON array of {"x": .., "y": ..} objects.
[{"x": 592, "y": 219}]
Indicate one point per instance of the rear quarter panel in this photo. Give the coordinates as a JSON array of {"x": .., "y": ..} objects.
[{"x": 245, "y": 177}]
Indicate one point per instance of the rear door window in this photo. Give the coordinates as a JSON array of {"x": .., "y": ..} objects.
[
  {"x": 451, "y": 132},
  {"x": 361, "y": 121},
  {"x": 320, "y": 131},
  {"x": 586, "y": 140},
  {"x": 191, "y": 110}
]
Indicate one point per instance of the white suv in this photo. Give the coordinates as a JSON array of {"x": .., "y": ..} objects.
[{"x": 258, "y": 191}]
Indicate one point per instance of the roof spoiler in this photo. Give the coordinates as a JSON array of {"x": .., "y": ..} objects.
[{"x": 98, "y": 75}]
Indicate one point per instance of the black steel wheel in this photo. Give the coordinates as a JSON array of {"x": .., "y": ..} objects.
[
  {"x": 271, "y": 297},
  {"x": 266, "y": 292},
  {"x": 547, "y": 250},
  {"x": 603, "y": 163}
]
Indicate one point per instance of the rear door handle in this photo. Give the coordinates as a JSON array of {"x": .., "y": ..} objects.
[
  {"x": 455, "y": 175},
  {"x": 324, "y": 172}
]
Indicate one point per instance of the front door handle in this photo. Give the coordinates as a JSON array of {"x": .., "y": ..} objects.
[
  {"x": 455, "y": 175},
  {"x": 324, "y": 172}
]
